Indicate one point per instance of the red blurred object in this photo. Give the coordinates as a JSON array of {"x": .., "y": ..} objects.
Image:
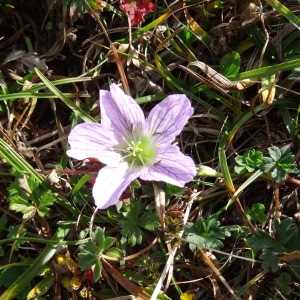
[
  {"x": 94, "y": 166},
  {"x": 136, "y": 9},
  {"x": 188, "y": 192},
  {"x": 89, "y": 275}
]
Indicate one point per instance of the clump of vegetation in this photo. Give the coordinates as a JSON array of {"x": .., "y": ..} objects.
[{"x": 232, "y": 223}]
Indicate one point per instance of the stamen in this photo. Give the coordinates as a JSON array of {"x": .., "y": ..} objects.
[
  {"x": 141, "y": 159},
  {"x": 134, "y": 147},
  {"x": 137, "y": 152}
]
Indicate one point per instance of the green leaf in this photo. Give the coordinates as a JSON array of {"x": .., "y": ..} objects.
[
  {"x": 269, "y": 260},
  {"x": 91, "y": 247},
  {"x": 28, "y": 197},
  {"x": 46, "y": 200},
  {"x": 249, "y": 161},
  {"x": 240, "y": 169},
  {"x": 98, "y": 237},
  {"x": 97, "y": 270},
  {"x": 91, "y": 252},
  {"x": 173, "y": 190},
  {"x": 16, "y": 232},
  {"x": 37, "y": 265},
  {"x": 230, "y": 64},
  {"x": 114, "y": 252},
  {"x": 274, "y": 153},
  {"x": 19, "y": 204},
  {"x": 137, "y": 219},
  {"x": 268, "y": 164},
  {"x": 287, "y": 235},
  {"x": 286, "y": 239},
  {"x": 86, "y": 260},
  {"x": 262, "y": 240},
  {"x": 10, "y": 275},
  {"x": 279, "y": 164},
  {"x": 283, "y": 282},
  {"x": 256, "y": 213},
  {"x": 205, "y": 232},
  {"x": 108, "y": 242}
]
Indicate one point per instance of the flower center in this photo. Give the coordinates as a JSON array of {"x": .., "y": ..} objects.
[
  {"x": 134, "y": 148},
  {"x": 139, "y": 153}
]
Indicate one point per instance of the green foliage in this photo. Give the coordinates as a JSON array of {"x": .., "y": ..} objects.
[
  {"x": 279, "y": 164},
  {"x": 286, "y": 239},
  {"x": 169, "y": 57},
  {"x": 173, "y": 190},
  {"x": 256, "y": 212},
  {"x": 136, "y": 220},
  {"x": 27, "y": 196},
  {"x": 283, "y": 282},
  {"x": 187, "y": 37},
  {"x": 9, "y": 276},
  {"x": 16, "y": 232},
  {"x": 6, "y": 4},
  {"x": 3, "y": 222},
  {"x": 230, "y": 64},
  {"x": 248, "y": 162},
  {"x": 205, "y": 232},
  {"x": 77, "y": 7},
  {"x": 94, "y": 249}
]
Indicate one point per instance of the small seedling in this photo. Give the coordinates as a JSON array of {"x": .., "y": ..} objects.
[{"x": 250, "y": 161}]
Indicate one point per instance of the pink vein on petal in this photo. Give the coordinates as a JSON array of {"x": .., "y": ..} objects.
[
  {"x": 119, "y": 111},
  {"x": 167, "y": 119},
  {"x": 111, "y": 183}
]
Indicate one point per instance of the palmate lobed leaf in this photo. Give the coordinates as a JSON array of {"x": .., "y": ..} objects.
[
  {"x": 46, "y": 200},
  {"x": 256, "y": 212},
  {"x": 279, "y": 164},
  {"x": 93, "y": 251},
  {"x": 137, "y": 218},
  {"x": 249, "y": 161},
  {"x": 286, "y": 239},
  {"x": 240, "y": 169},
  {"x": 205, "y": 232},
  {"x": 274, "y": 153},
  {"x": 290, "y": 168},
  {"x": 98, "y": 237},
  {"x": 283, "y": 282},
  {"x": 108, "y": 242},
  {"x": 287, "y": 234},
  {"x": 102, "y": 242},
  {"x": 19, "y": 204},
  {"x": 279, "y": 174},
  {"x": 267, "y": 165},
  {"x": 269, "y": 260},
  {"x": 28, "y": 197},
  {"x": 86, "y": 260},
  {"x": 97, "y": 272},
  {"x": 262, "y": 240},
  {"x": 131, "y": 233}
]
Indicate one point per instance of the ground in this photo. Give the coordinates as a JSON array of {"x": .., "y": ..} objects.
[{"x": 230, "y": 233}]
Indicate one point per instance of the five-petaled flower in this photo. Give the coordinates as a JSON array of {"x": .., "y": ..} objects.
[
  {"x": 132, "y": 146},
  {"x": 136, "y": 9}
]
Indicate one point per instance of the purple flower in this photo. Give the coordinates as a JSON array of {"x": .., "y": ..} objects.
[{"x": 132, "y": 146}]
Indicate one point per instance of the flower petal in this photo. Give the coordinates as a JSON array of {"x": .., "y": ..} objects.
[
  {"x": 167, "y": 119},
  {"x": 93, "y": 140},
  {"x": 120, "y": 111},
  {"x": 110, "y": 184},
  {"x": 172, "y": 167}
]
